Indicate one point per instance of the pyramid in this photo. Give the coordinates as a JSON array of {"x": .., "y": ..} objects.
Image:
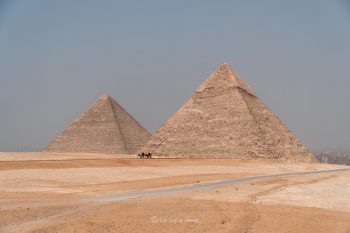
[
  {"x": 225, "y": 119},
  {"x": 104, "y": 128}
]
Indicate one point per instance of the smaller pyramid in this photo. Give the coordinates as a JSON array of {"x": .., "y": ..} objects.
[{"x": 104, "y": 128}]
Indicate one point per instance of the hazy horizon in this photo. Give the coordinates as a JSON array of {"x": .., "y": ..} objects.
[{"x": 58, "y": 57}]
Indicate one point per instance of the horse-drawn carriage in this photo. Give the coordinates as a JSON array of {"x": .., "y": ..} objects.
[{"x": 144, "y": 155}]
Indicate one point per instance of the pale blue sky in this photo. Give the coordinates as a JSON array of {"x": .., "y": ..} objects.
[{"x": 57, "y": 57}]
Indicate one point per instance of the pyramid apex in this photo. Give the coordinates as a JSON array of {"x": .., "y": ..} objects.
[
  {"x": 104, "y": 97},
  {"x": 225, "y": 64},
  {"x": 225, "y": 77},
  {"x": 226, "y": 67}
]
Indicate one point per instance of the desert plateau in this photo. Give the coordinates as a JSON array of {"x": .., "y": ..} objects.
[{"x": 80, "y": 192}]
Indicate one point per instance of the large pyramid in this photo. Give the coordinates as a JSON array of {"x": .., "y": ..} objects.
[
  {"x": 225, "y": 119},
  {"x": 104, "y": 128}
]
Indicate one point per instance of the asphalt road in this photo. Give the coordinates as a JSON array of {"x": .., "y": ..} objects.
[{"x": 205, "y": 185}]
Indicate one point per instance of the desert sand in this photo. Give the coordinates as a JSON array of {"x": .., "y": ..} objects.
[{"x": 59, "y": 192}]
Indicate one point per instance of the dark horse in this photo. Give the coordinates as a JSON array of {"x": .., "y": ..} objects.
[{"x": 143, "y": 155}]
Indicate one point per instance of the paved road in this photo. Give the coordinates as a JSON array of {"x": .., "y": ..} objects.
[{"x": 206, "y": 185}]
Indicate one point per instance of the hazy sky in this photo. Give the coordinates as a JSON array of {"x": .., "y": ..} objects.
[{"x": 57, "y": 57}]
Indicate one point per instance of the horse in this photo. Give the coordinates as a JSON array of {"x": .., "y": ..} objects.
[{"x": 143, "y": 155}]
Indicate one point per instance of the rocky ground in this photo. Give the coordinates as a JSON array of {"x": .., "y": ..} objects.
[{"x": 46, "y": 192}]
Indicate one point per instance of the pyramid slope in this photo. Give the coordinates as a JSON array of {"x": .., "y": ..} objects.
[
  {"x": 225, "y": 119},
  {"x": 134, "y": 134},
  {"x": 104, "y": 128}
]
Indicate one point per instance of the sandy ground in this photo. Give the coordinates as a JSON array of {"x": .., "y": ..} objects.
[{"x": 48, "y": 192}]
